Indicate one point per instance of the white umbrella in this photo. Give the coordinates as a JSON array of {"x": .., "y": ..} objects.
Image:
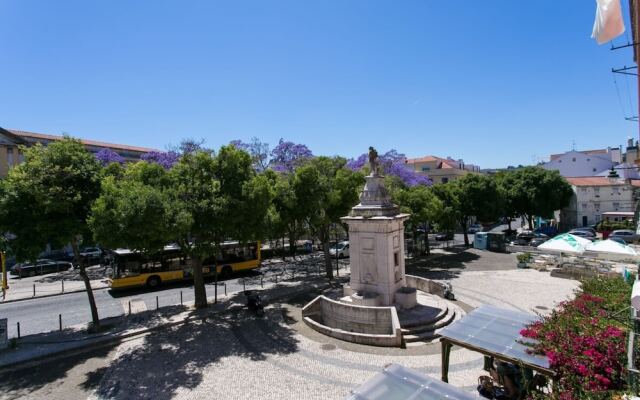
[
  {"x": 565, "y": 243},
  {"x": 611, "y": 247}
]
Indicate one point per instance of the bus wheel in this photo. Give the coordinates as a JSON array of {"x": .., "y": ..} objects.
[
  {"x": 226, "y": 272},
  {"x": 153, "y": 281}
]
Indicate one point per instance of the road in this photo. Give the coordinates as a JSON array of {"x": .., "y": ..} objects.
[{"x": 41, "y": 314}]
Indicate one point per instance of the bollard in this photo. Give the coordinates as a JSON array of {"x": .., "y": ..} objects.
[
  {"x": 261, "y": 283},
  {"x": 181, "y": 297},
  {"x": 129, "y": 307},
  {"x": 18, "y": 330},
  {"x": 157, "y": 303},
  {"x": 34, "y": 290},
  {"x": 225, "y": 289},
  {"x": 62, "y": 281},
  {"x": 60, "y": 321},
  {"x": 215, "y": 288}
]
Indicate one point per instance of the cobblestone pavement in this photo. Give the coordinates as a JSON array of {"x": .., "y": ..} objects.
[{"x": 236, "y": 356}]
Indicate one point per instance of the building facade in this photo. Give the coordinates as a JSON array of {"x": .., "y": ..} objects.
[
  {"x": 584, "y": 163},
  {"x": 595, "y": 196},
  {"x": 441, "y": 170},
  {"x": 11, "y": 140}
]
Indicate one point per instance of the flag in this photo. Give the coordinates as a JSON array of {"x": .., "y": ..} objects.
[{"x": 608, "y": 24}]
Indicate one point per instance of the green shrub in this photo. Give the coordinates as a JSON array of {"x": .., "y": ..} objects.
[{"x": 524, "y": 257}]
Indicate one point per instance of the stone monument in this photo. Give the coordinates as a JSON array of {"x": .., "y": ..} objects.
[
  {"x": 381, "y": 305},
  {"x": 376, "y": 244}
]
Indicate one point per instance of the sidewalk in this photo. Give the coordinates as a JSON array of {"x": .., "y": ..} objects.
[
  {"x": 32, "y": 287},
  {"x": 72, "y": 340}
]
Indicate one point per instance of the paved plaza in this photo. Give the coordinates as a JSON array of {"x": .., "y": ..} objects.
[{"x": 236, "y": 356}]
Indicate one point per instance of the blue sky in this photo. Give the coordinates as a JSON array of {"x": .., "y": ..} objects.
[{"x": 496, "y": 83}]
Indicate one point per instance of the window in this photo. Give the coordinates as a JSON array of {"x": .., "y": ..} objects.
[
  {"x": 596, "y": 190},
  {"x": 10, "y": 156},
  {"x": 396, "y": 260},
  {"x": 445, "y": 180},
  {"x": 573, "y": 159},
  {"x": 615, "y": 190},
  {"x": 594, "y": 170},
  {"x": 584, "y": 206},
  {"x": 588, "y": 159},
  {"x": 559, "y": 161},
  {"x": 425, "y": 169},
  {"x": 583, "y": 189},
  {"x": 616, "y": 206}
]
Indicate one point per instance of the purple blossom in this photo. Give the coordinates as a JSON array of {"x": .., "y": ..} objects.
[
  {"x": 358, "y": 163},
  {"x": 286, "y": 156},
  {"x": 165, "y": 159},
  {"x": 393, "y": 164},
  {"x": 108, "y": 156}
]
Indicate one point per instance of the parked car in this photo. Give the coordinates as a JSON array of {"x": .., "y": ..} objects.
[
  {"x": 42, "y": 266},
  {"x": 444, "y": 236},
  {"x": 58, "y": 255},
  {"x": 617, "y": 239},
  {"x": 587, "y": 229},
  {"x": 524, "y": 238},
  {"x": 340, "y": 250},
  {"x": 627, "y": 235},
  {"x": 537, "y": 241},
  {"x": 92, "y": 255},
  {"x": 583, "y": 234},
  {"x": 475, "y": 228}
]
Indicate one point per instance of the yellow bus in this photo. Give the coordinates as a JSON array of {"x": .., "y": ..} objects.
[{"x": 133, "y": 269}]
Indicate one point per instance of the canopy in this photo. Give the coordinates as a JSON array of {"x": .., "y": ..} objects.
[
  {"x": 494, "y": 332},
  {"x": 611, "y": 247},
  {"x": 565, "y": 243},
  {"x": 396, "y": 382}
]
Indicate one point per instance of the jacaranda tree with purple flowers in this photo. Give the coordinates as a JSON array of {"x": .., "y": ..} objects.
[
  {"x": 166, "y": 159},
  {"x": 393, "y": 165},
  {"x": 258, "y": 150},
  {"x": 287, "y": 156},
  {"x": 108, "y": 156}
]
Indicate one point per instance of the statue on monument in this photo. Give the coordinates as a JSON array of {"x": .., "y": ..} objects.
[{"x": 373, "y": 161}]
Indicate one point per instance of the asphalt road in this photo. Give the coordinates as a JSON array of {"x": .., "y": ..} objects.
[{"x": 41, "y": 314}]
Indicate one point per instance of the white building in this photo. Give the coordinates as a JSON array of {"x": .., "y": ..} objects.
[
  {"x": 595, "y": 195},
  {"x": 584, "y": 163}
]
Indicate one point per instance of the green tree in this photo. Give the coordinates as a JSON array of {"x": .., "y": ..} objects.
[
  {"x": 424, "y": 207},
  {"x": 132, "y": 211},
  {"x": 47, "y": 199},
  {"x": 508, "y": 191},
  {"x": 469, "y": 196},
  {"x": 212, "y": 198},
  {"x": 539, "y": 192},
  {"x": 326, "y": 190}
]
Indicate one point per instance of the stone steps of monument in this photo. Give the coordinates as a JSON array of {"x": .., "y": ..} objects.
[
  {"x": 424, "y": 336},
  {"x": 408, "y": 322},
  {"x": 408, "y": 332}
]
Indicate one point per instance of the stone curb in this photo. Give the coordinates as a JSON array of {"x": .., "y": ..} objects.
[
  {"x": 50, "y": 295},
  {"x": 107, "y": 340}
]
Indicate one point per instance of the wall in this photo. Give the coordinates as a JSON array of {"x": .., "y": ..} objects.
[
  {"x": 592, "y": 201},
  {"x": 378, "y": 326},
  {"x": 425, "y": 285},
  {"x": 573, "y": 163}
]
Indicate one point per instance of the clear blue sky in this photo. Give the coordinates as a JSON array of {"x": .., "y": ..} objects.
[{"x": 493, "y": 82}]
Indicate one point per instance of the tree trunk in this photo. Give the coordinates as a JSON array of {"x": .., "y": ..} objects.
[
  {"x": 463, "y": 224},
  {"x": 328, "y": 265},
  {"x": 292, "y": 243},
  {"x": 530, "y": 221},
  {"x": 426, "y": 238},
  {"x": 95, "y": 320},
  {"x": 509, "y": 222},
  {"x": 199, "y": 290}
]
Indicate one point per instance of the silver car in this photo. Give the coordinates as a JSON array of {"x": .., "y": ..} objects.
[{"x": 627, "y": 235}]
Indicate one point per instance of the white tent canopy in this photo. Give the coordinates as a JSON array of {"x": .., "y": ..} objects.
[
  {"x": 565, "y": 243},
  {"x": 611, "y": 247}
]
